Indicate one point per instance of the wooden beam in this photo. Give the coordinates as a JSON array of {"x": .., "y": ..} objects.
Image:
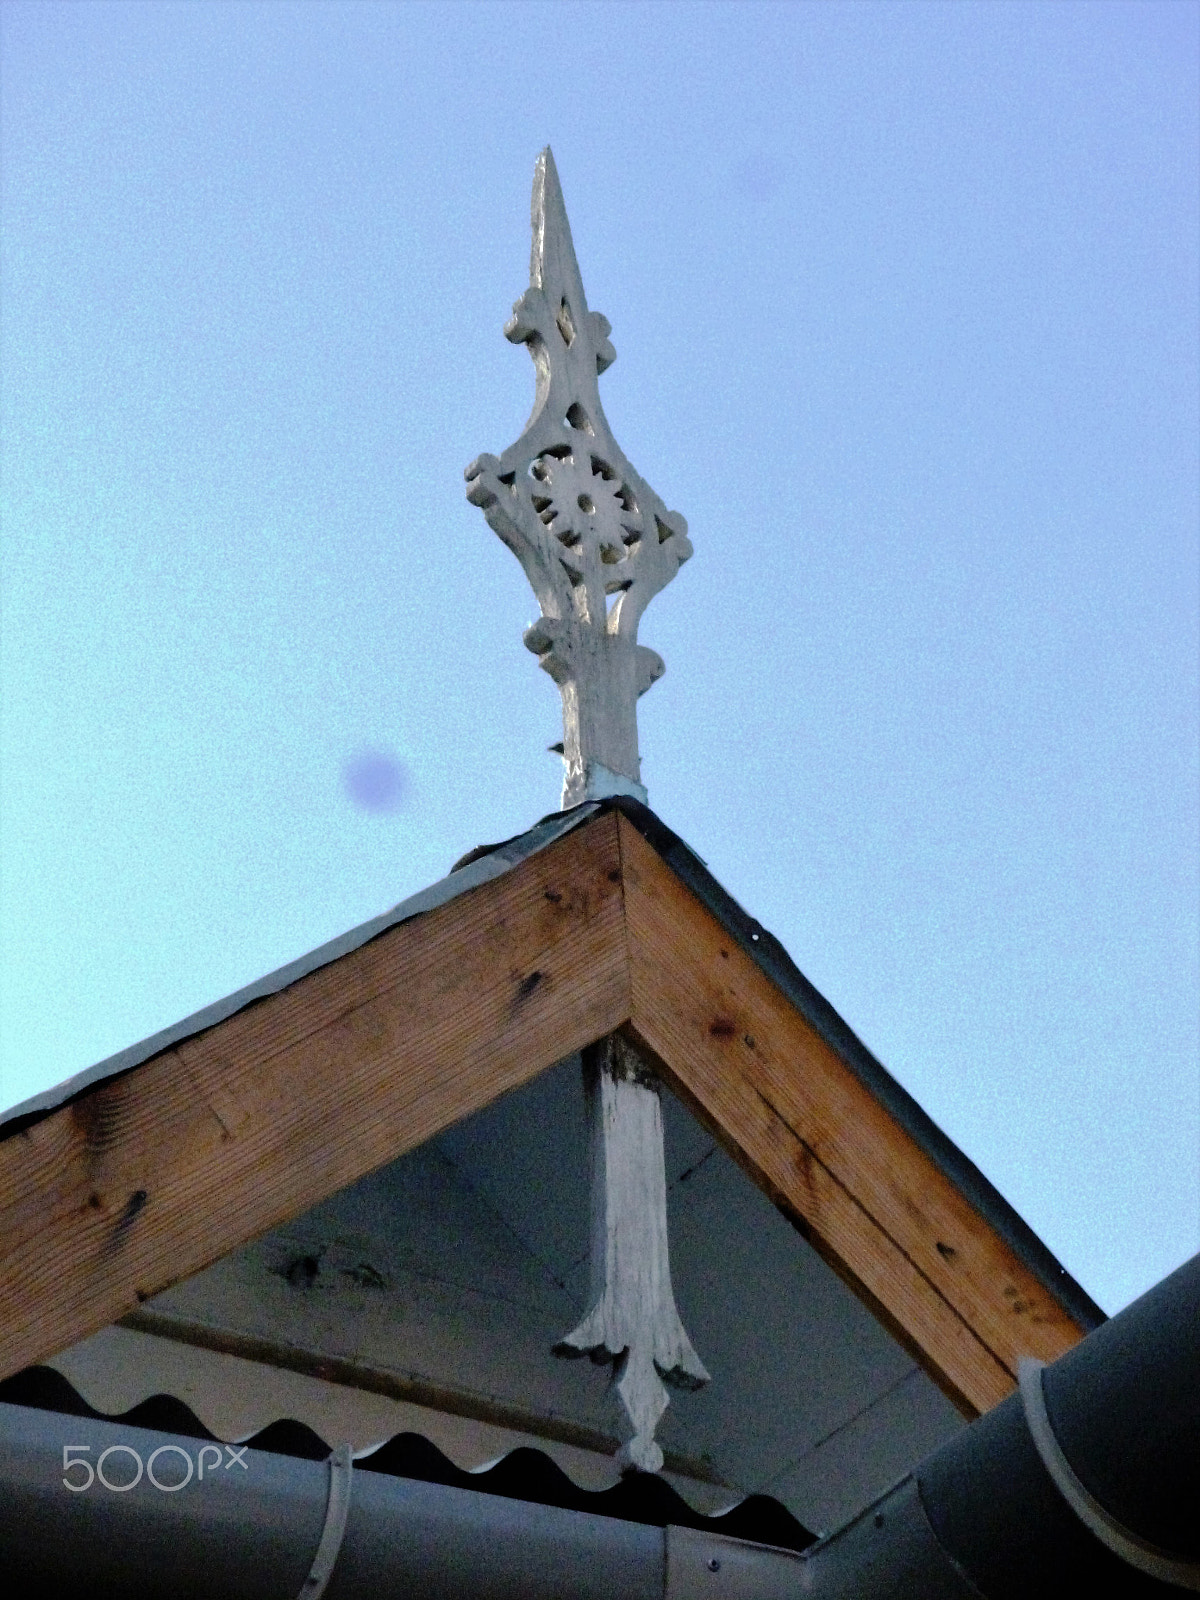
[
  {"x": 809, "y": 1132},
  {"x": 151, "y": 1176}
]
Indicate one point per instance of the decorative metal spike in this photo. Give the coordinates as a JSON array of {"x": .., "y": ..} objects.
[
  {"x": 596, "y": 542},
  {"x": 633, "y": 1322}
]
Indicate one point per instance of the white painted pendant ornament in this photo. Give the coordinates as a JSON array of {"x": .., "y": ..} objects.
[{"x": 633, "y": 1321}]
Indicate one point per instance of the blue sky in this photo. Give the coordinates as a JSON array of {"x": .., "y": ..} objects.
[{"x": 904, "y": 299}]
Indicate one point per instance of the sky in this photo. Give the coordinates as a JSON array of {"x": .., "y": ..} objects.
[{"x": 905, "y": 304}]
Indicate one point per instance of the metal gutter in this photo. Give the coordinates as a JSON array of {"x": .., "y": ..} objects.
[
  {"x": 262, "y": 1527},
  {"x": 250, "y": 1530},
  {"x": 1089, "y": 1489},
  {"x": 997, "y": 1510}
]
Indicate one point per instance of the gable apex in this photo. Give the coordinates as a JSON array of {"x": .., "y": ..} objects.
[{"x": 597, "y": 920}]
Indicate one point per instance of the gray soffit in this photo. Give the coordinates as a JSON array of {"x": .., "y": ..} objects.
[
  {"x": 426, "y": 1299},
  {"x": 479, "y": 866}
]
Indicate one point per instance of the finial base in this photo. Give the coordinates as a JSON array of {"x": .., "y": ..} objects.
[{"x": 601, "y": 783}]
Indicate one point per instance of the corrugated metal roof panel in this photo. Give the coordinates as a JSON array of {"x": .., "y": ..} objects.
[{"x": 523, "y": 1474}]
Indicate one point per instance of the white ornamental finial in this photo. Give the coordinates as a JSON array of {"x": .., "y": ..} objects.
[{"x": 596, "y": 542}]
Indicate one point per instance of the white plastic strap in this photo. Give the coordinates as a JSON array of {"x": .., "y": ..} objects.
[
  {"x": 1138, "y": 1552},
  {"x": 337, "y": 1509}
]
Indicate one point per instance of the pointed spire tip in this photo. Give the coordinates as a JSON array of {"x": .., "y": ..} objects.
[{"x": 553, "y": 252}]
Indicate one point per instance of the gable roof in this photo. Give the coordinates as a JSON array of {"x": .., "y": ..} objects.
[{"x": 160, "y": 1161}]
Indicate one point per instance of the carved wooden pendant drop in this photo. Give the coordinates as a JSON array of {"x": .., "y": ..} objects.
[{"x": 633, "y": 1321}]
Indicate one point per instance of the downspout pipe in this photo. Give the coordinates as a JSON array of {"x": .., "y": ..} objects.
[{"x": 1084, "y": 1482}]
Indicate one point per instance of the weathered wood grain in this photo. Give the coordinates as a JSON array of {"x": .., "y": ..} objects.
[
  {"x": 152, "y": 1176},
  {"x": 799, "y": 1120}
]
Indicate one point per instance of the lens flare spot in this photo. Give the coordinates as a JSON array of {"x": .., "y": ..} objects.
[{"x": 375, "y": 781}]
